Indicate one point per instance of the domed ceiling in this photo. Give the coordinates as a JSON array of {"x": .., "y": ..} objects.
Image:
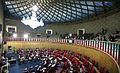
[{"x": 58, "y": 10}]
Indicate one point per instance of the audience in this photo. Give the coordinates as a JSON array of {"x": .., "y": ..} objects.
[{"x": 56, "y": 61}]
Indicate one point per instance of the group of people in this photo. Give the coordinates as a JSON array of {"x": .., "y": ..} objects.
[{"x": 57, "y": 61}]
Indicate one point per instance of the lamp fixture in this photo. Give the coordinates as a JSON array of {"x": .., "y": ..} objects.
[
  {"x": 32, "y": 21},
  {"x": 14, "y": 35},
  {"x": 25, "y": 36}
]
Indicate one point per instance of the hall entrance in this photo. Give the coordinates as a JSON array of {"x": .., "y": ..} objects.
[{"x": 80, "y": 32}]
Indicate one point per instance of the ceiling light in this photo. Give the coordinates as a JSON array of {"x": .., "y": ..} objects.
[
  {"x": 32, "y": 21},
  {"x": 15, "y": 35},
  {"x": 35, "y": 8},
  {"x": 25, "y": 36}
]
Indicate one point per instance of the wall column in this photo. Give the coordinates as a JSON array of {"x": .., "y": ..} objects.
[{"x": 1, "y": 27}]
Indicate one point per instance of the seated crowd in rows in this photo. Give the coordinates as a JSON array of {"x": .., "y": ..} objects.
[{"x": 58, "y": 61}]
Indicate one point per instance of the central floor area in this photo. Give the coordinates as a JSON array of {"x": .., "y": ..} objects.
[{"x": 19, "y": 68}]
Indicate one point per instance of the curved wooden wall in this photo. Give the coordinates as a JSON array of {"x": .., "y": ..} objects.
[{"x": 103, "y": 59}]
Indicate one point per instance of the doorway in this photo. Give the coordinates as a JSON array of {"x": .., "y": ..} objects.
[{"x": 80, "y": 32}]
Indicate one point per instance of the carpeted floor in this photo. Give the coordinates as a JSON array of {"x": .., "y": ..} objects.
[{"x": 19, "y": 68}]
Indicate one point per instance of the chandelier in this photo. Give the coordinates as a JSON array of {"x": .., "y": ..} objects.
[{"x": 32, "y": 21}]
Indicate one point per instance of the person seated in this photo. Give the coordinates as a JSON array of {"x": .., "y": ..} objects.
[
  {"x": 26, "y": 70},
  {"x": 38, "y": 69},
  {"x": 32, "y": 56},
  {"x": 111, "y": 38},
  {"x": 12, "y": 60},
  {"x": 30, "y": 59},
  {"x": 21, "y": 61},
  {"x": 31, "y": 69},
  {"x": 43, "y": 70}
]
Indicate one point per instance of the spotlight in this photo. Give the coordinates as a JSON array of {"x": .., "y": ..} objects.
[
  {"x": 15, "y": 35},
  {"x": 25, "y": 36}
]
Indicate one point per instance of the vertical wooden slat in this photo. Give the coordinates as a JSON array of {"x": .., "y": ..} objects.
[
  {"x": 108, "y": 48},
  {"x": 113, "y": 48},
  {"x": 105, "y": 46}
]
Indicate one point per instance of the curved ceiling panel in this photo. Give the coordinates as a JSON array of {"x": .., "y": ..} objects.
[{"x": 58, "y": 10}]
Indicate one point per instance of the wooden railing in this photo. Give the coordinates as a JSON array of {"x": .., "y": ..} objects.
[{"x": 111, "y": 48}]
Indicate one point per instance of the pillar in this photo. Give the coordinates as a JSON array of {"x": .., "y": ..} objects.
[{"x": 1, "y": 27}]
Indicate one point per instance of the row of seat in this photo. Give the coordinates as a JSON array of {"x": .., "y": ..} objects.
[{"x": 61, "y": 61}]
